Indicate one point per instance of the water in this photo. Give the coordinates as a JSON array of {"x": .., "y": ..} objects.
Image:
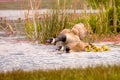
[
  {"x": 15, "y": 14},
  {"x": 26, "y": 55}
]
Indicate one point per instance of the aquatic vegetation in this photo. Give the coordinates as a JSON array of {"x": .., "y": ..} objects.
[{"x": 40, "y": 27}]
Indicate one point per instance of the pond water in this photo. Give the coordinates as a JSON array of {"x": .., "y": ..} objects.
[
  {"x": 15, "y": 14},
  {"x": 25, "y": 55}
]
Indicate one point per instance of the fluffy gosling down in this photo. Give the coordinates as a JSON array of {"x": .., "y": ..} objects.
[{"x": 95, "y": 48}]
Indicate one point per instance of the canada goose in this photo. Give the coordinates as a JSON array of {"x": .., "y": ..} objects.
[
  {"x": 74, "y": 47},
  {"x": 77, "y": 33},
  {"x": 64, "y": 31},
  {"x": 51, "y": 40},
  {"x": 61, "y": 38},
  {"x": 66, "y": 38},
  {"x": 80, "y": 30}
]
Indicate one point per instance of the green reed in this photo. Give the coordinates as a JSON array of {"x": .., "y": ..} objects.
[
  {"x": 50, "y": 25},
  {"x": 107, "y": 20},
  {"x": 53, "y": 24}
]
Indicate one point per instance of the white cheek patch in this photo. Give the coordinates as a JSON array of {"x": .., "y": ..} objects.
[
  {"x": 62, "y": 48},
  {"x": 53, "y": 41},
  {"x": 71, "y": 51}
]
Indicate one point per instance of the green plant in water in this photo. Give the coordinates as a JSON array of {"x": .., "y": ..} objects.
[
  {"x": 29, "y": 29},
  {"x": 53, "y": 24},
  {"x": 49, "y": 26}
]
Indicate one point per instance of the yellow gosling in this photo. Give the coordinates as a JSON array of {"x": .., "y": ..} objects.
[
  {"x": 95, "y": 48},
  {"x": 105, "y": 48},
  {"x": 101, "y": 50},
  {"x": 88, "y": 48}
]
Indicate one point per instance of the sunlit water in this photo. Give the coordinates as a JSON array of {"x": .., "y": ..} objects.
[{"x": 29, "y": 56}]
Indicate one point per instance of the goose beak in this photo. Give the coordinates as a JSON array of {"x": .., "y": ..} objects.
[{"x": 50, "y": 40}]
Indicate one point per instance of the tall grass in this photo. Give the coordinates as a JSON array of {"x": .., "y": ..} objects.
[
  {"x": 106, "y": 21},
  {"x": 90, "y": 73},
  {"x": 49, "y": 24},
  {"x": 52, "y": 23},
  {"x": 31, "y": 25},
  {"x": 99, "y": 22}
]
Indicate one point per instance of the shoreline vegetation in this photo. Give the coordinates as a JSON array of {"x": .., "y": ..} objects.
[
  {"x": 39, "y": 28},
  {"x": 90, "y": 73}
]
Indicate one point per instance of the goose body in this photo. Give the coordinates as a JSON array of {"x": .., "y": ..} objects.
[
  {"x": 80, "y": 30},
  {"x": 64, "y": 31},
  {"x": 74, "y": 46},
  {"x": 66, "y": 38}
]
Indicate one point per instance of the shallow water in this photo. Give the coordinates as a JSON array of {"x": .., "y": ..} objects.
[
  {"x": 29, "y": 56},
  {"x": 15, "y": 14}
]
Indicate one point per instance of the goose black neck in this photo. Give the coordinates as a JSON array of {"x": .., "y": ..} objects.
[{"x": 61, "y": 37}]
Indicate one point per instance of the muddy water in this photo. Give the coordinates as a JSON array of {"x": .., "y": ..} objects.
[{"x": 29, "y": 56}]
